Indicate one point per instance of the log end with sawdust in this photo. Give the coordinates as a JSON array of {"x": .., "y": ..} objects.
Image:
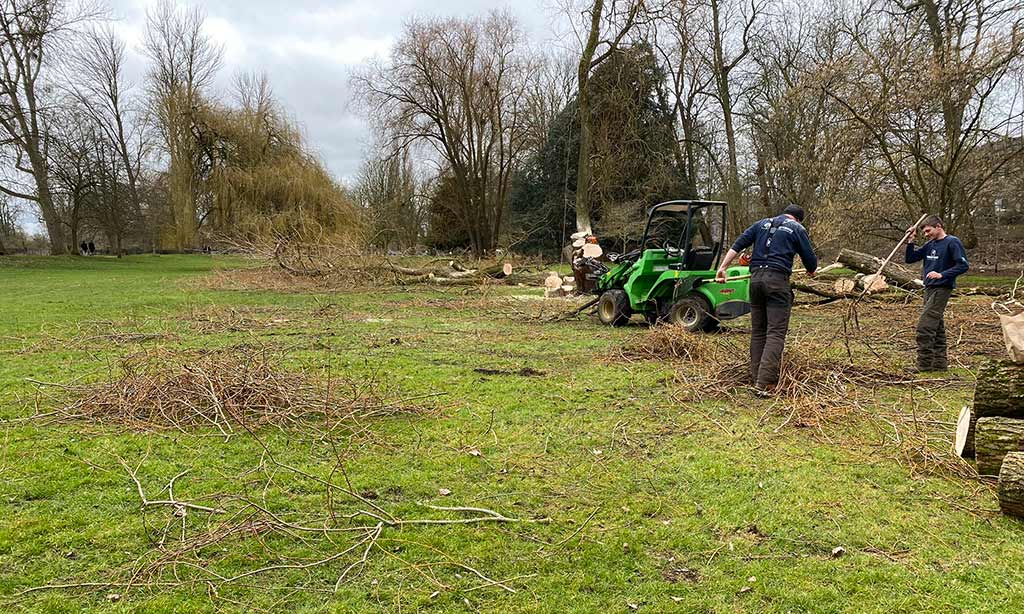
[{"x": 963, "y": 443}]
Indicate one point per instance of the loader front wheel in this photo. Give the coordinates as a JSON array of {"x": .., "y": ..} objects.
[
  {"x": 694, "y": 314},
  {"x": 613, "y": 308}
]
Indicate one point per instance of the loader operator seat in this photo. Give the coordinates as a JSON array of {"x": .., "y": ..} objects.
[{"x": 700, "y": 259}]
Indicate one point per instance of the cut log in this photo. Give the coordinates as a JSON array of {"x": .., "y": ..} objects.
[
  {"x": 900, "y": 275},
  {"x": 822, "y": 290},
  {"x": 553, "y": 281},
  {"x": 868, "y": 264},
  {"x": 963, "y": 444},
  {"x": 579, "y": 243},
  {"x": 1011, "y": 485},
  {"x": 845, "y": 285},
  {"x": 567, "y": 289},
  {"x": 994, "y": 438},
  {"x": 592, "y": 250},
  {"x": 874, "y": 283},
  {"x": 999, "y": 390},
  {"x": 506, "y": 269}
]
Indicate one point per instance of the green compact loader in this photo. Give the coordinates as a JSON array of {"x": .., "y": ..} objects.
[{"x": 671, "y": 277}]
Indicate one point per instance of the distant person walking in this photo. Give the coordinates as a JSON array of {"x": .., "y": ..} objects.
[
  {"x": 944, "y": 260},
  {"x": 92, "y": 248},
  {"x": 83, "y": 248},
  {"x": 776, "y": 241}
]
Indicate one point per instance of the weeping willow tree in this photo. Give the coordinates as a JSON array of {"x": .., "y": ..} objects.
[{"x": 262, "y": 181}]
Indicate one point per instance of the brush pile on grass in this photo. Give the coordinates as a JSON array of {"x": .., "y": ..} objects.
[
  {"x": 719, "y": 364},
  {"x": 818, "y": 387},
  {"x": 225, "y": 390}
]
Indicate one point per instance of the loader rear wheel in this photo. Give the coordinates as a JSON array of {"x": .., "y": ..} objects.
[
  {"x": 613, "y": 308},
  {"x": 694, "y": 314}
]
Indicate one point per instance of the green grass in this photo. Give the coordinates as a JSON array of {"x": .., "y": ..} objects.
[{"x": 642, "y": 501}]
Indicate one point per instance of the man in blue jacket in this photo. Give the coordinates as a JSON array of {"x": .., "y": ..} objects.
[
  {"x": 944, "y": 259},
  {"x": 776, "y": 241}
]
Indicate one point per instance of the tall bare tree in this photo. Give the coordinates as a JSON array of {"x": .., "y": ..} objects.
[
  {"x": 183, "y": 64},
  {"x": 30, "y": 33},
  {"x": 99, "y": 86},
  {"x": 459, "y": 86}
]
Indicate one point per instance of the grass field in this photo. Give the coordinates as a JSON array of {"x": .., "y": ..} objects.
[{"x": 625, "y": 490}]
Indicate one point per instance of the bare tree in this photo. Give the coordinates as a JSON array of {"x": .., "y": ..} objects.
[
  {"x": 30, "y": 32},
  {"x": 183, "y": 64},
  {"x": 550, "y": 87},
  {"x": 72, "y": 143},
  {"x": 391, "y": 196},
  {"x": 9, "y": 227},
  {"x": 675, "y": 36},
  {"x": 459, "y": 86},
  {"x": 925, "y": 79},
  {"x": 99, "y": 87}
]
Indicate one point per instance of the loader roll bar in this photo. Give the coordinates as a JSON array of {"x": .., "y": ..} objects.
[{"x": 690, "y": 207}]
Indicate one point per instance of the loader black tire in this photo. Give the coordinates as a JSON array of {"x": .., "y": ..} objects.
[
  {"x": 613, "y": 308},
  {"x": 694, "y": 314}
]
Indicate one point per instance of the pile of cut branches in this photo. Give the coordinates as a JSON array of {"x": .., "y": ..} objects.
[
  {"x": 225, "y": 390},
  {"x": 326, "y": 261},
  {"x": 818, "y": 386},
  {"x": 289, "y": 521}
]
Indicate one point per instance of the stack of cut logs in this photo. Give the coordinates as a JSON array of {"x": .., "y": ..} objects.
[
  {"x": 992, "y": 431},
  {"x": 584, "y": 246},
  {"x": 556, "y": 286}
]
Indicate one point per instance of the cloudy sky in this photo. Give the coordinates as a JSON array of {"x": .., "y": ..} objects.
[{"x": 308, "y": 49}]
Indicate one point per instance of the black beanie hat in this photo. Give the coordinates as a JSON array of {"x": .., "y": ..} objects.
[{"x": 795, "y": 210}]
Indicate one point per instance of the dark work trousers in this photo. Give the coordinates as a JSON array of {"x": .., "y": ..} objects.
[
  {"x": 931, "y": 329},
  {"x": 771, "y": 301}
]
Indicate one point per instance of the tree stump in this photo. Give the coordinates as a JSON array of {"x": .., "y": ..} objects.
[
  {"x": 963, "y": 445},
  {"x": 994, "y": 439},
  {"x": 1011, "y": 484}
]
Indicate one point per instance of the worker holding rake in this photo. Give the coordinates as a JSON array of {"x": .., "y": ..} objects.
[
  {"x": 944, "y": 260},
  {"x": 776, "y": 241}
]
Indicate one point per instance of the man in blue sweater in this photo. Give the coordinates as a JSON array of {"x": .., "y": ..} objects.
[
  {"x": 944, "y": 259},
  {"x": 776, "y": 241}
]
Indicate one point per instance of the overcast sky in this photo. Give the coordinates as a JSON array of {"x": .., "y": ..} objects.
[{"x": 308, "y": 49}]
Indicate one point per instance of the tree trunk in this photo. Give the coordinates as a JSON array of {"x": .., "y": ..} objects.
[
  {"x": 583, "y": 174},
  {"x": 994, "y": 439},
  {"x": 1011, "y": 484}
]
